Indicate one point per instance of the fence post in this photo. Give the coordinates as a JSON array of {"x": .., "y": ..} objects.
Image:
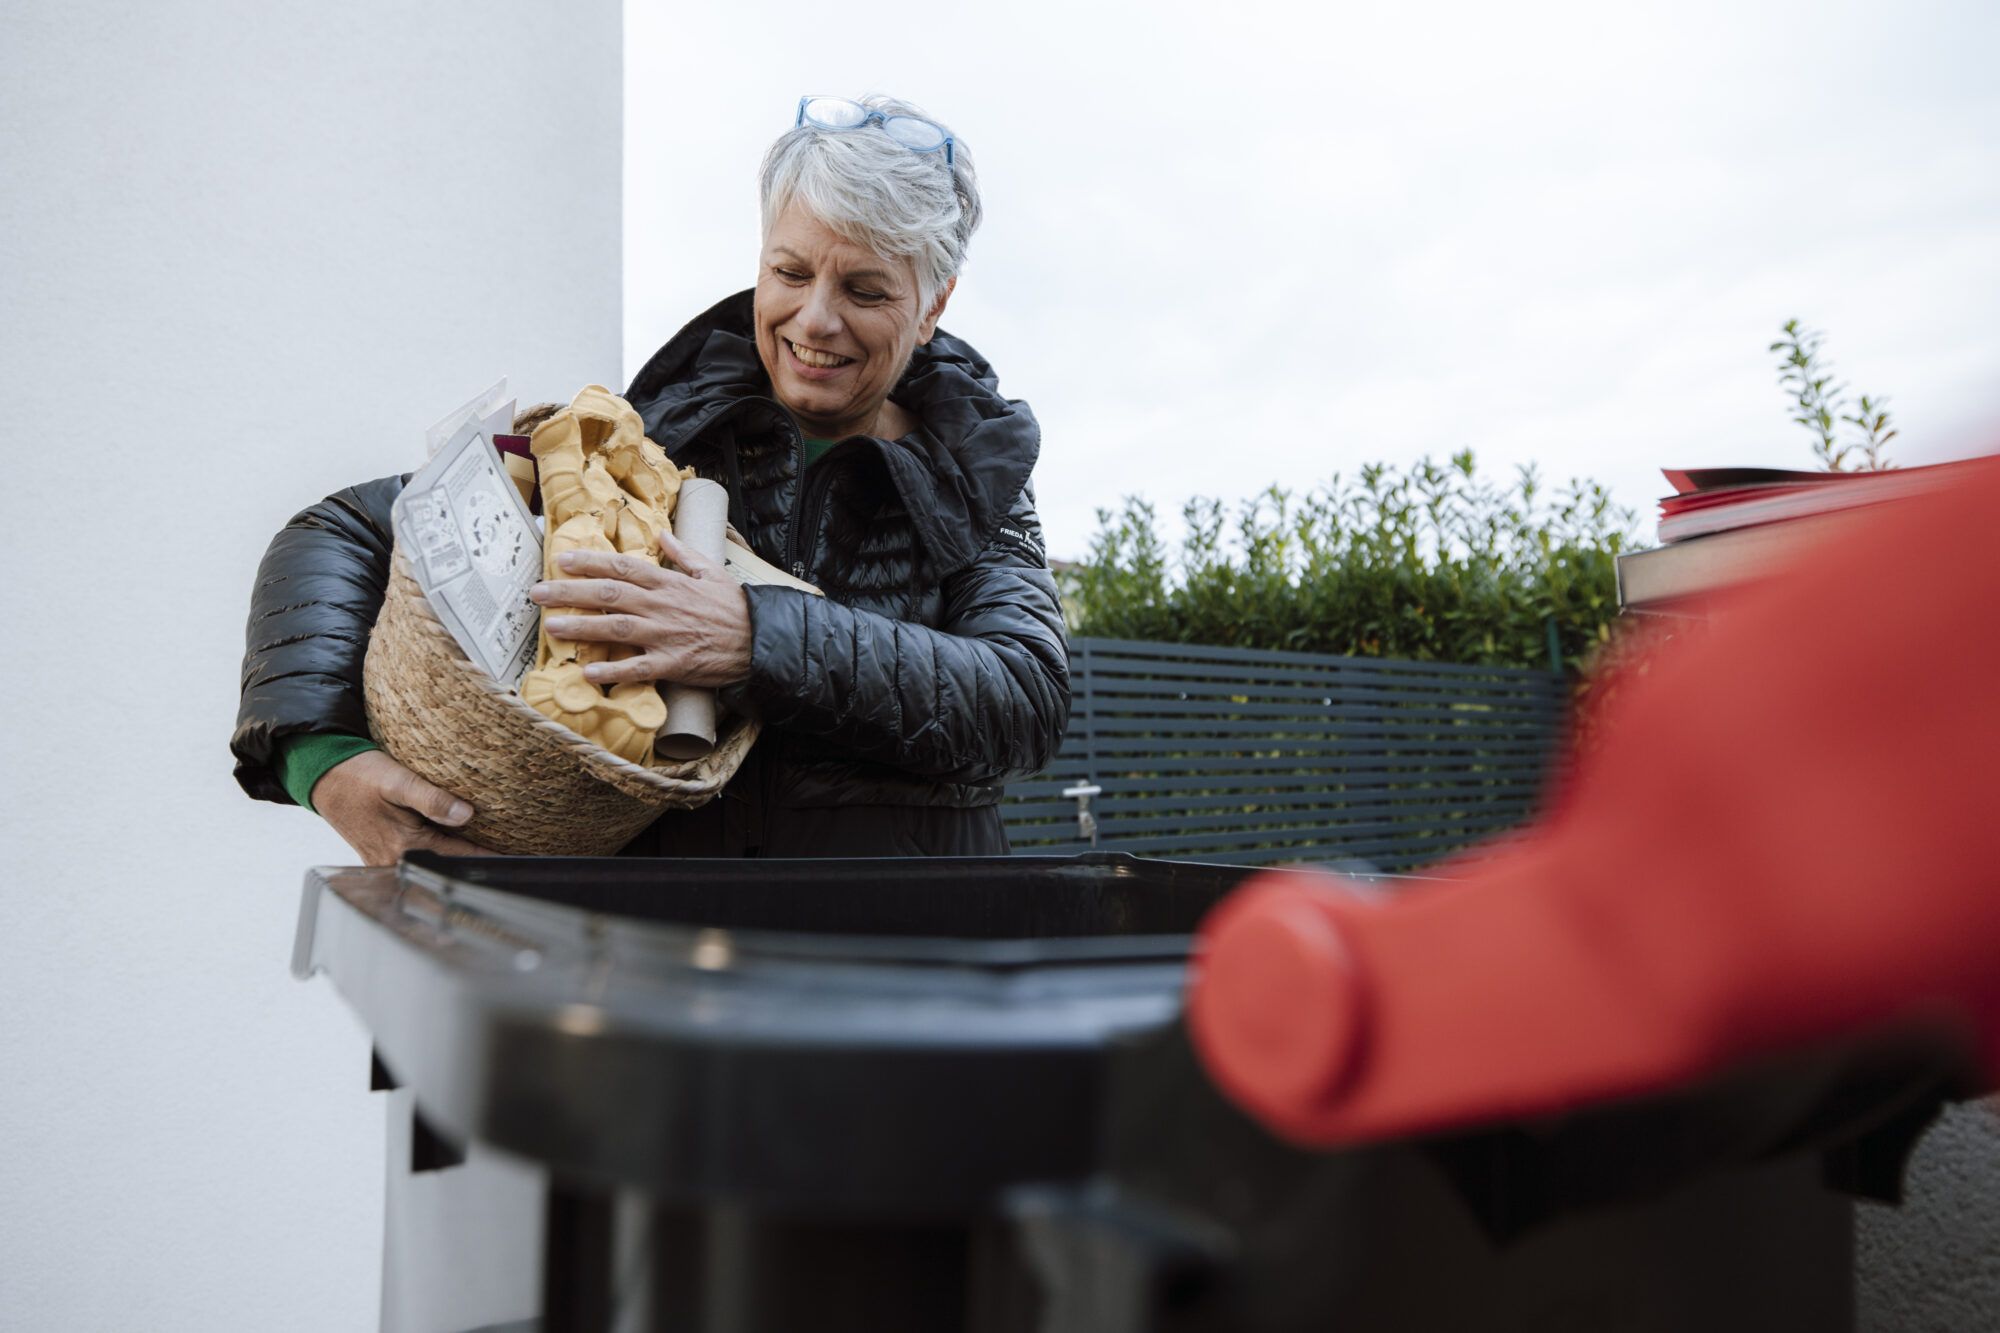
[{"x": 1081, "y": 699}]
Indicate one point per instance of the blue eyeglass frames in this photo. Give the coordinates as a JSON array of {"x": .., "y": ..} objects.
[{"x": 841, "y": 113}]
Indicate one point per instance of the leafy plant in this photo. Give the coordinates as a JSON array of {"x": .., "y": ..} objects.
[
  {"x": 1819, "y": 401},
  {"x": 1434, "y": 563}
]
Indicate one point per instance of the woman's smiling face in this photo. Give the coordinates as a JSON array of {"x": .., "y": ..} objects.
[{"x": 836, "y": 324}]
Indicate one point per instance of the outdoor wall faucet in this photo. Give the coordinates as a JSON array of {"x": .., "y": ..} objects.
[{"x": 1086, "y": 822}]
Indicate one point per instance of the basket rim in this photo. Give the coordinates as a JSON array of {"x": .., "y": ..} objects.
[{"x": 662, "y": 778}]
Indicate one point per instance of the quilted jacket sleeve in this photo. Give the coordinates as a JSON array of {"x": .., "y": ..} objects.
[
  {"x": 318, "y": 591},
  {"x": 984, "y": 698}
]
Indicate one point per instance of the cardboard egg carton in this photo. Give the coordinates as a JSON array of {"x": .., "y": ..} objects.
[{"x": 604, "y": 487}]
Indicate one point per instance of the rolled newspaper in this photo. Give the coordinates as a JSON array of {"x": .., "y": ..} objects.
[{"x": 701, "y": 517}]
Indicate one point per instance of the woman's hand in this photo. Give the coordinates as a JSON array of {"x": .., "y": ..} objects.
[
  {"x": 692, "y": 627},
  {"x": 383, "y": 810}
]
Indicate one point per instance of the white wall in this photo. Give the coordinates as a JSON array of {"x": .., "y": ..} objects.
[{"x": 247, "y": 253}]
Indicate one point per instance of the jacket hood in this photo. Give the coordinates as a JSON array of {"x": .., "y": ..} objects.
[{"x": 957, "y": 474}]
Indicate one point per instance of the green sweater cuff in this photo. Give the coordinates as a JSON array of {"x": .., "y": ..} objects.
[{"x": 304, "y": 760}]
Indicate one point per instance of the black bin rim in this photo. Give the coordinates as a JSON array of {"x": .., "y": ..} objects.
[{"x": 999, "y": 911}]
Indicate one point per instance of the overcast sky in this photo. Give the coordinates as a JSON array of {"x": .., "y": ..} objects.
[{"x": 1231, "y": 245}]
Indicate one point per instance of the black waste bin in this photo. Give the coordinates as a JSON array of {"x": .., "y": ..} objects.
[{"x": 955, "y": 1095}]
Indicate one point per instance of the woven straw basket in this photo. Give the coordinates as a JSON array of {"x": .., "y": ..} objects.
[{"x": 537, "y": 787}]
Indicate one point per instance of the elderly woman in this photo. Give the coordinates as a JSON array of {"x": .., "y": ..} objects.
[{"x": 864, "y": 450}]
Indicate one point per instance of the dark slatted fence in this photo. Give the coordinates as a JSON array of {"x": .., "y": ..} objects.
[{"x": 1239, "y": 755}]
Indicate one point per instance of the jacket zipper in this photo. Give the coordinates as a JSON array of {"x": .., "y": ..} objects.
[{"x": 804, "y": 526}]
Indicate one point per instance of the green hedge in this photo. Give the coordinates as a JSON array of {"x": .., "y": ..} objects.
[{"x": 1433, "y": 563}]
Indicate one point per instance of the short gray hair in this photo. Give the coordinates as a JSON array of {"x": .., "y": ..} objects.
[{"x": 877, "y": 193}]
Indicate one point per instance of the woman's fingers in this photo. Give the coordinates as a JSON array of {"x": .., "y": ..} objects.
[
  {"x": 646, "y": 666},
  {"x": 586, "y": 594},
  {"x": 446, "y": 845},
  {"x": 433, "y": 803},
  {"x": 612, "y": 565},
  {"x": 618, "y": 628},
  {"x": 697, "y": 565}
]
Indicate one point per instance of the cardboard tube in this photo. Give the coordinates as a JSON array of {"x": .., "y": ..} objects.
[{"x": 701, "y": 515}]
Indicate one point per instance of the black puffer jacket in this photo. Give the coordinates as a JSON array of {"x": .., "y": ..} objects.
[{"x": 934, "y": 670}]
